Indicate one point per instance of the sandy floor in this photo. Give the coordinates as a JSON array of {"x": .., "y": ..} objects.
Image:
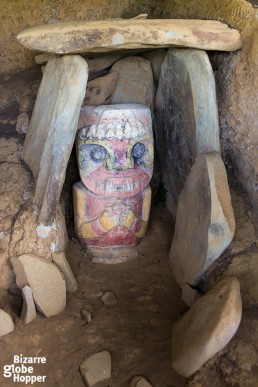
[{"x": 136, "y": 331}]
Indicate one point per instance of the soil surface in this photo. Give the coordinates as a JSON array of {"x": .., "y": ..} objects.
[{"x": 136, "y": 331}]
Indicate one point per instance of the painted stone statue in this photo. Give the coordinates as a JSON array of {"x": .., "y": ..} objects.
[{"x": 115, "y": 158}]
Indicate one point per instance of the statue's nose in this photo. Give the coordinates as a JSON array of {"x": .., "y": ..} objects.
[{"x": 121, "y": 161}]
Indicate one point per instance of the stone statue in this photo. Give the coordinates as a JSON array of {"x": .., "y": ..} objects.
[{"x": 115, "y": 158}]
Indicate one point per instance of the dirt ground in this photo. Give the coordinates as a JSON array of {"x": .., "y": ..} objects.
[{"x": 136, "y": 331}]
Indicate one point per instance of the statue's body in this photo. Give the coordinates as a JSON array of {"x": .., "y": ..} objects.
[{"x": 115, "y": 158}]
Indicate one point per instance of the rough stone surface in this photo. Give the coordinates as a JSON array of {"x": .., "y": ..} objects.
[
  {"x": 18, "y": 216},
  {"x": 99, "y": 90},
  {"x": 52, "y": 129},
  {"x": 205, "y": 223},
  {"x": 45, "y": 280},
  {"x": 156, "y": 59},
  {"x": 22, "y": 123},
  {"x": 245, "y": 268},
  {"x": 187, "y": 116},
  {"x": 25, "y": 103},
  {"x": 139, "y": 381},
  {"x": 101, "y": 63},
  {"x": 96, "y": 368},
  {"x": 61, "y": 262},
  {"x": 189, "y": 295},
  {"x": 43, "y": 58},
  {"x": 6, "y": 323},
  {"x": 134, "y": 82},
  {"x": 207, "y": 327},
  {"x": 117, "y": 34},
  {"x": 109, "y": 299},
  {"x": 28, "y": 308}
]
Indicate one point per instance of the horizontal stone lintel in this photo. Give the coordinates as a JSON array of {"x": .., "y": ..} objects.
[{"x": 130, "y": 34}]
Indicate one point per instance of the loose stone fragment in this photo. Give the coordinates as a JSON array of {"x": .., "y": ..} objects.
[
  {"x": 6, "y": 323},
  {"x": 96, "y": 368},
  {"x": 102, "y": 62},
  {"x": 52, "y": 129},
  {"x": 139, "y": 381},
  {"x": 134, "y": 81},
  {"x": 205, "y": 223},
  {"x": 109, "y": 298},
  {"x": 22, "y": 123},
  {"x": 45, "y": 280},
  {"x": 61, "y": 262},
  {"x": 99, "y": 90},
  {"x": 207, "y": 327},
  {"x": 119, "y": 34},
  {"x": 187, "y": 116},
  {"x": 86, "y": 314},
  {"x": 28, "y": 308},
  {"x": 189, "y": 295}
]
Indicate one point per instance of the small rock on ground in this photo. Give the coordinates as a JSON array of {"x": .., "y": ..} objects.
[
  {"x": 139, "y": 381},
  {"x": 96, "y": 368},
  {"x": 109, "y": 298}
]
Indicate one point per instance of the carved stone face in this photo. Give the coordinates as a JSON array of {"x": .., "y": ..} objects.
[{"x": 115, "y": 151}]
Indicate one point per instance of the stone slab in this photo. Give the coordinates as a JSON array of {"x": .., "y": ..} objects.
[
  {"x": 6, "y": 323},
  {"x": 205, "y": 223},
  {"x": 134, "y": 82},
  {"x": 207, "y": 327},
  {"x": 45, "y": 280},
  {"x": 28, "y": 308},
  {"x": 96, "y": 368},
  {"x": 99, "y": 90},
  {"x": 52, "y": 129},
  {"x": 60, "y": 260},
  {"x": 117, "y": 34},
  {"x": 187, "y": 116}
]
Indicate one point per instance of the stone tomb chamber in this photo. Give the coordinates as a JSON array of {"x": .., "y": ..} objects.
[{"x": 129, "y": 185}]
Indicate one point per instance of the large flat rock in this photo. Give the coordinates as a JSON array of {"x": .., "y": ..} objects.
[
  {"x": 52, "y": 129},
  {"x": 205, "y": 223},
  {"x": 187, "y": 116},
  {"x": 45, "y": 280},
  {"x": 117, "y": 34},
  {"x": 207, "y": 327}
]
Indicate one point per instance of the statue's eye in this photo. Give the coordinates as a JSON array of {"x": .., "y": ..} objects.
[
  {"x": 138, "y": 150},
  {"x": 98, "y": 153}
]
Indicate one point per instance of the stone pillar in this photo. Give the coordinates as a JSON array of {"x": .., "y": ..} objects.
[{"x": 115, "y": 159}]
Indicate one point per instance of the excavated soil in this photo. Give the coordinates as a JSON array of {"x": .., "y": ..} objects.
[{"x": 136, "y": 331}]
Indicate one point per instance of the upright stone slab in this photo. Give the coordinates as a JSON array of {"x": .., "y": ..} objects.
[
  {"x": 53, "y": 127},
  {"x": 44, "y": 279},
  {"x": 134, "y": 81},
  {"x": 205, "y": 223},
  {"x": 187, "y": 116},
  {"x": 28, "y": 308},
  {"x": 207, "y": 327}
]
